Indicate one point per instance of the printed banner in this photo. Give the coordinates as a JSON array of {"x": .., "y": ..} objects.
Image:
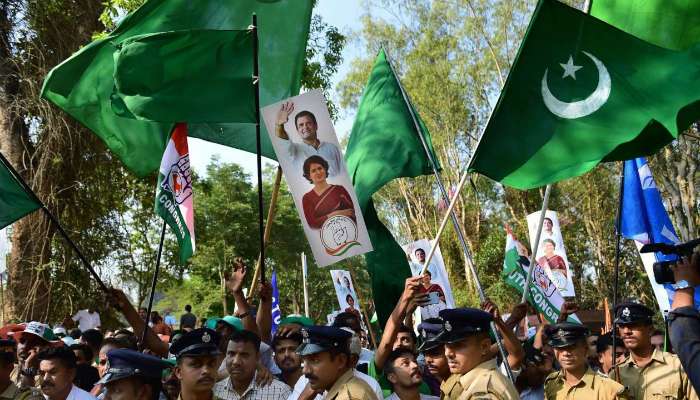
[
  {"x": 302, "y": 134},
  {"x": 551, "y": 254},
  {"x": 435, "y": 280},
  {"x": 276, "y": 312},
  {"x": 345, "y": 291},
  {"x": 544, "y": 295}
]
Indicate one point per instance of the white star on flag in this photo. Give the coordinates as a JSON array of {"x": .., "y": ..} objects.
[{"x": 570, "y": 69}]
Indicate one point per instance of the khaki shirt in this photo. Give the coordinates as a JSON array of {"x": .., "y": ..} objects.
[
  {"x": 662, "y": 378},
  {"x": 16, "y": 377},
  {"x": 485, "y": 381},
  {"x": 350, "y": 387},
  {"x": 593, "y": 385},
  {"x": 451, "y": 388},
  {"x": 13, "y": 392}
]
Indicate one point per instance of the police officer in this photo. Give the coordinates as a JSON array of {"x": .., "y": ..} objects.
[
  {"x": 326, "y": 354},
  {"x": 465, "y": 334},
  {"x": 197, "y": 354},
  {"x": 576, "y": 380},
  {"x": 132, "y": 375},
  {"x": 434, "y": 353},
  {"x": 647, "y": 372}
]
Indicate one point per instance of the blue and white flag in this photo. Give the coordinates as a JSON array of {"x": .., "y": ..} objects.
[
  {"x": 276, "y": 312},
  {"x": 644, "y": 219}
]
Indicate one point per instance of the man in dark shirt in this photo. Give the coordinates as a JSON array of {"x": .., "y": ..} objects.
[{"x": 188, "y": 320}]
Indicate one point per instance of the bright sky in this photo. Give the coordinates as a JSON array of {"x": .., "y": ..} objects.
[{"x": 343, "y": 14}]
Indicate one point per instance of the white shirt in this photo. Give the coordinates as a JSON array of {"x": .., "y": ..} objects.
[
  {"x": 299, "y": 152},
  {"x": 86, "y": 320},
  {"x": 77, "y": 393},
  {"x": 394, "y": 396},
  {"x": 303, "y": 381}
]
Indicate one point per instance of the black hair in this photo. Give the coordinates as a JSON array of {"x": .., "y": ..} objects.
[
  {"x": 406, "y": 329},
  {"x": 427, "y": 272},
  {"x": 548, "y": 219},
  {"x": 247, "y": 337},
  {"x": 93, "y": 338},
  {"x": 393, "y": 356},
  {"x": 121, "y": 342},
  {"x": 549, "y": 241},
  {"x": 349, "y": 296},
  {"x": 64, "y": 354},
  {"x": 342, "y": 320},
  {"x": 305, "y": 114},
  {"x": 85, "y": 349},
  {"x": 314, "y": 160},
  {"x": 417, "y": 250},
  {"x": 188, "y": 308},
  {"x": 294, "y": 336},
  {"x": 75, "y": 333}
]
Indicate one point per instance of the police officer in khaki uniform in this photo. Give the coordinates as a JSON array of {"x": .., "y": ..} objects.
[
  {"x": 434, "y": 353},
  {"x": 576, "y": 380},
  {"x": 197, "y": 354},
  {"x": 8, "y": 389},
  {"x": 648, "y": 373},
  {"x": 468, "y": 351},
  {"x": 326, "y": 354}
]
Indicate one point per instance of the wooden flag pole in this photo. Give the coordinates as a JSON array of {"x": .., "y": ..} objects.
[
  {"x": 362, "y": 309},
  {"x": 545, "y": 204},
  {"x": 268, "y": 228}
]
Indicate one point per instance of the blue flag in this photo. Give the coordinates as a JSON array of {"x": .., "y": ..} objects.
[
  {"x": 644, "y": 219},
  {"x": 276, "y": 312}
]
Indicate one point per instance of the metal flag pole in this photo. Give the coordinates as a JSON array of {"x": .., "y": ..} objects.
[
  {"x": 258, "y": 146},
  {"x": 453, "y": 216},
  {"x": 616, "y": 278},
  {"x": 543, "y": 212},
  {"x": 154, "y": 281},
  {"x": 306, "y": 290},
  {"x": 54, "y": 220}
]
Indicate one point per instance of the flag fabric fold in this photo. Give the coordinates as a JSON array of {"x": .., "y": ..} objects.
[
  {"x": 196, "y": 76},
  {"x": 174, "y": 193},
  {"x": 544, "y": 295},
  {"x": 15, "y": 202},
  {"x": 384, "y": 145},
  {"x": 83, "y": 84},
  {"x": 581, "y": 92}
]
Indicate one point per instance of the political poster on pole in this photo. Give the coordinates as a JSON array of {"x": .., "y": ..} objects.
[
  {"x": 435, "y": 281},
  {"x": 550, "y": 252},
  {"x": 345, "y": 291},
  {"x": 302, "y": 134}
]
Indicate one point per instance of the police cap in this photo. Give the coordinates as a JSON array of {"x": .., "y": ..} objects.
[
  {"x": 125, "y": 363},
  {"x": 199, "y": 342},
  {"x": 566, "y": 334},
  {"x": 429, "y": 329},
  {"x": 458, "y": 323},
  {"x": 316, "y": 339},
  {"x": 630, "y": 312}
]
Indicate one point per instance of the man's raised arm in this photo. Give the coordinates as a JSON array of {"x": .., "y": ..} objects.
[{"x": 282, "y": 117}]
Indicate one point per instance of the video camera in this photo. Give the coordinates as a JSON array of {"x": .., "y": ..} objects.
[{"x": 662, "y": 269}]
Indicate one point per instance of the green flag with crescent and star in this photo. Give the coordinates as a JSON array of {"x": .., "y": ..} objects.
[{"x": 581, "y": 92}]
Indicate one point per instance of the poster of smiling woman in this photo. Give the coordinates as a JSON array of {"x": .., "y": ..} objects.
[
  {"x": 302, "y": 134},
  {"x": 551, "y": 254}
]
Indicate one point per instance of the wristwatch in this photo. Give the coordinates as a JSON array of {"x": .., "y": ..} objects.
[
  {"x": 682, "y": 284},
  {"x": 30, "y": 372}
]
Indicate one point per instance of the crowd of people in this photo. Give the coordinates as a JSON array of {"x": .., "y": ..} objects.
[{"x": 454, "y": 356}]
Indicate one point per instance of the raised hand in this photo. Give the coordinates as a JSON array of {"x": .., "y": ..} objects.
[
  {"x": 236, "y": 277},
  {"x": 283, "y": 114}
]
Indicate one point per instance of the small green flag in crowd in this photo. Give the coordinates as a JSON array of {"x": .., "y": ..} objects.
[
  {"x": 194, "y": 75},
  {"x": 84, "y": 84},
  {"x": 581, "y": 92},
  {"x": 384, "y": 145},
  {"x": 15, "y": 202}
]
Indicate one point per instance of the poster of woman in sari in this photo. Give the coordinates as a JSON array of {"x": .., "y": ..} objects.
[
  {"x": 324, "y": 200},
  {"x": 302, "y": 135},
  {"x": 550, "y": 251}
]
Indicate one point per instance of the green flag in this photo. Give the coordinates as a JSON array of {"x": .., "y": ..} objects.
[
  {"x": 580, "y": 92},
  {"x": 15, "y": 202},
  {"x": 83, "y": 84},
  {"x": 673, "y": 24},
  {"x": 194, "y": 75},
  {"x": 384, "y": 145}
]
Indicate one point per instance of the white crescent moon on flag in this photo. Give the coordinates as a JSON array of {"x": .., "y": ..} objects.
[{"x": 583, "y": 107}]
